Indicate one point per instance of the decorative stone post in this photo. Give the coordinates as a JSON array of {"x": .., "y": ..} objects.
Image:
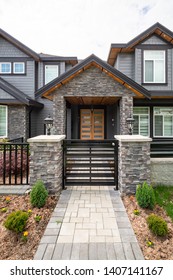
[
  {"x": 133, "y": 162},
  {"x": 47, "y": 161}
]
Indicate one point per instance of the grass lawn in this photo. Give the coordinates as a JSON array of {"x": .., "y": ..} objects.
[{"x": 164, "y": 198}]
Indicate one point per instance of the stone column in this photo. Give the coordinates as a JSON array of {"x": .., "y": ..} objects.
[
  {"x": 126, "y": 110},
  {"x": 59, "y": 114},
  {"x": 133, "y": 162},
  {"x": 46, "y": 161}
]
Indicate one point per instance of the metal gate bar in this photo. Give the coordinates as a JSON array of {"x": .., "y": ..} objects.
[{"x": 92, "y": 162}]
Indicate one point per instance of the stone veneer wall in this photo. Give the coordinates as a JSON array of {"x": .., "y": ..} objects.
[
  {"x": 133, "y": 162},
  {"x": 92, "y": 82},
  {"x": 46, "y": 162},
  {"x": 18, "y": 121},
  {"x": 162, "y": 171}
]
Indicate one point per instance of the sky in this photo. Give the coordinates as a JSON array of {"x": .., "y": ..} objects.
[{"x": 81, "y": 27}]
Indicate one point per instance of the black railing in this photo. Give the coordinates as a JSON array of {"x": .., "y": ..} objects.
[
  {"x": 161, "y": 149},
  {"x": 93, "y": 162},
  {"x": 14, "y": 164}
]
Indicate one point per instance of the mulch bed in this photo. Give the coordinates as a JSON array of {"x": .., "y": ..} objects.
[
  {"x": 11, "y": 245},
  {"x": 162, "y": 248}
]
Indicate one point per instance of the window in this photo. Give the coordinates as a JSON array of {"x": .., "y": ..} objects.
[
  {"x": 3, "y": 121},
  {"x": 163, "y": 121},
  {"x": 18, "y": 67},
  {"x": 51, "y": 72},
  {"x": 141, "y": 123},
  {"x": 154, "y": 66},
  {"x": 5, "y": 67}
]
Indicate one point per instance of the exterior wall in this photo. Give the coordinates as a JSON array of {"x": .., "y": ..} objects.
[
  {"x": 5, "y": 95},
  {"x": 91, "y": 82},
  {"x": 161, "y": 171},
  {"x": 133, "y": 162},
  {"x": 46, "y": 162},
  {"x": 18, "y": 121},
  {"x": 9, "y": 50},
  {"x": 154, "y": 40},
  {"x": 126, "y": 110},
  {"x": 25, "y": 82},
  {"x": 125, "y": 63}
]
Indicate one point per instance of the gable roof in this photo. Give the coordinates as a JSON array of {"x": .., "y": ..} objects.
[
  {"x": 21, "y": 97},
  {"x": 19, "y": 45},
  {"x": 92, "y": 60},
  {"x": 157, "y": 29}
]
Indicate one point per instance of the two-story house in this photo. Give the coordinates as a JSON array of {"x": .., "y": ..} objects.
[
  {"x": 22, "y": 73},
  {"x": 90, "y": 100}
]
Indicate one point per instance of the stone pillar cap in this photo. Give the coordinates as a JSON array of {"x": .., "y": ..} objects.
[
  {"x": 132, "y": 138},
  {"x": 46, "y": 138}
]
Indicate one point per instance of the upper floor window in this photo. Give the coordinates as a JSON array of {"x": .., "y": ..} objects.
[
  {"x": 18, "y": 67},
  {"x": 154, "y": 66},
  {"x": 5, "y": 67},
  {"x": 3, "y": 121},
  {"x": 12, "y": 68},
  {"x": 141, "y": 124},
  {"x": 51, "y": 72},
  {"x": 163, "y": 121}
]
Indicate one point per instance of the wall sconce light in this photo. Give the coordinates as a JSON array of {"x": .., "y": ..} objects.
[
  {"x": 130, "y": 122},
  {"x": 49, "y": 123}
]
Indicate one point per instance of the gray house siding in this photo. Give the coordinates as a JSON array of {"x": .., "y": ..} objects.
[
  {"x": 42, "y": 114},
  {"x": 154, "y": 40},
  {"x": 9, "y": 50},
  {"x": 26, "y": 83},
  {"x": 5, "y": 95},
  {"x": 125, "y": 63}
]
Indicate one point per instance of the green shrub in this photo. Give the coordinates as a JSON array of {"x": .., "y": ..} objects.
[
  {"x": 38, "y": 194},
  {"x": 16, "y": 221},
  {"x": 145, "y": 196},
  {"x": 157, "y": 225}
]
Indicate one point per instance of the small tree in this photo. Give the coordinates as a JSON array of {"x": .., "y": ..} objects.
[
  {"x": 38, "y": 194},
  {"x": 145, "y": 196}
]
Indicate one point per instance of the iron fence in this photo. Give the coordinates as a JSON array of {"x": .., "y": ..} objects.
[{"x": 14, "y": 163}]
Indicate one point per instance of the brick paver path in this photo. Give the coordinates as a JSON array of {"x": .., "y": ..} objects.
[{"x": 89, "y": 223}]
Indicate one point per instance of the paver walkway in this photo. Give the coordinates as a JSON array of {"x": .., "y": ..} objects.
[
  {"x": 89, "y": 223},
  {"x": 13, "y": 189}
]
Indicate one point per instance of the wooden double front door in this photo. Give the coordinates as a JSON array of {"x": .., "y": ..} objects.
[{"x": 92, "y": 124}]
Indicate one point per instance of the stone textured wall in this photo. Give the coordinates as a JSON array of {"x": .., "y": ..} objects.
[
  {"x": 46, "y": 162},
  {"x": 133, "y": 164},
  {"x": 162, "y": 171},
  {"x": 18, "y": 121},
  {"x": 126, "y": 110},
  {"x": 92, "y": 82}
]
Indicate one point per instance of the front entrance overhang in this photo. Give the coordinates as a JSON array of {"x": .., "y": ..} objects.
[{"x": 89, "y": 100}]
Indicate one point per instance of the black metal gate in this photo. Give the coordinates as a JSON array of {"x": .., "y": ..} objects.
[{"x": 90, "y": 162}]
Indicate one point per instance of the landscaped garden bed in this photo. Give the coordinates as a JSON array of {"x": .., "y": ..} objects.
[
  {"x": 153, "y": 247},
  {"x": 22, "y": 246}
]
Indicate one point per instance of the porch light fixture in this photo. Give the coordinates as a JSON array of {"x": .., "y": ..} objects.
[
  {"x": 130, "y": 122},
  {"x": 49, "y": 123}
]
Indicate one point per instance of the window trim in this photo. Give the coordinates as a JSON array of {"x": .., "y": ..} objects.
[
  {"x": 50, "y": 64},
  {"x": 156, "y": 136},
  {"x": 5, "y": 72},
  {"x": 6, "y": 135},
  {"x": 143, "y": 66},
  {"x": 146, "y": 107},
  {"x": 16, "y": 62}
]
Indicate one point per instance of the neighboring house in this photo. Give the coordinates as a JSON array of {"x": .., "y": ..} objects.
[
  {"x": 90, "y": 100},
  {"x": 22, "y": 73}
]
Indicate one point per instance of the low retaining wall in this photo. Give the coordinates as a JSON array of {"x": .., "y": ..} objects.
[
  {"x": 47, "y": 161},
  {"x": 162, "y": 171}
]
